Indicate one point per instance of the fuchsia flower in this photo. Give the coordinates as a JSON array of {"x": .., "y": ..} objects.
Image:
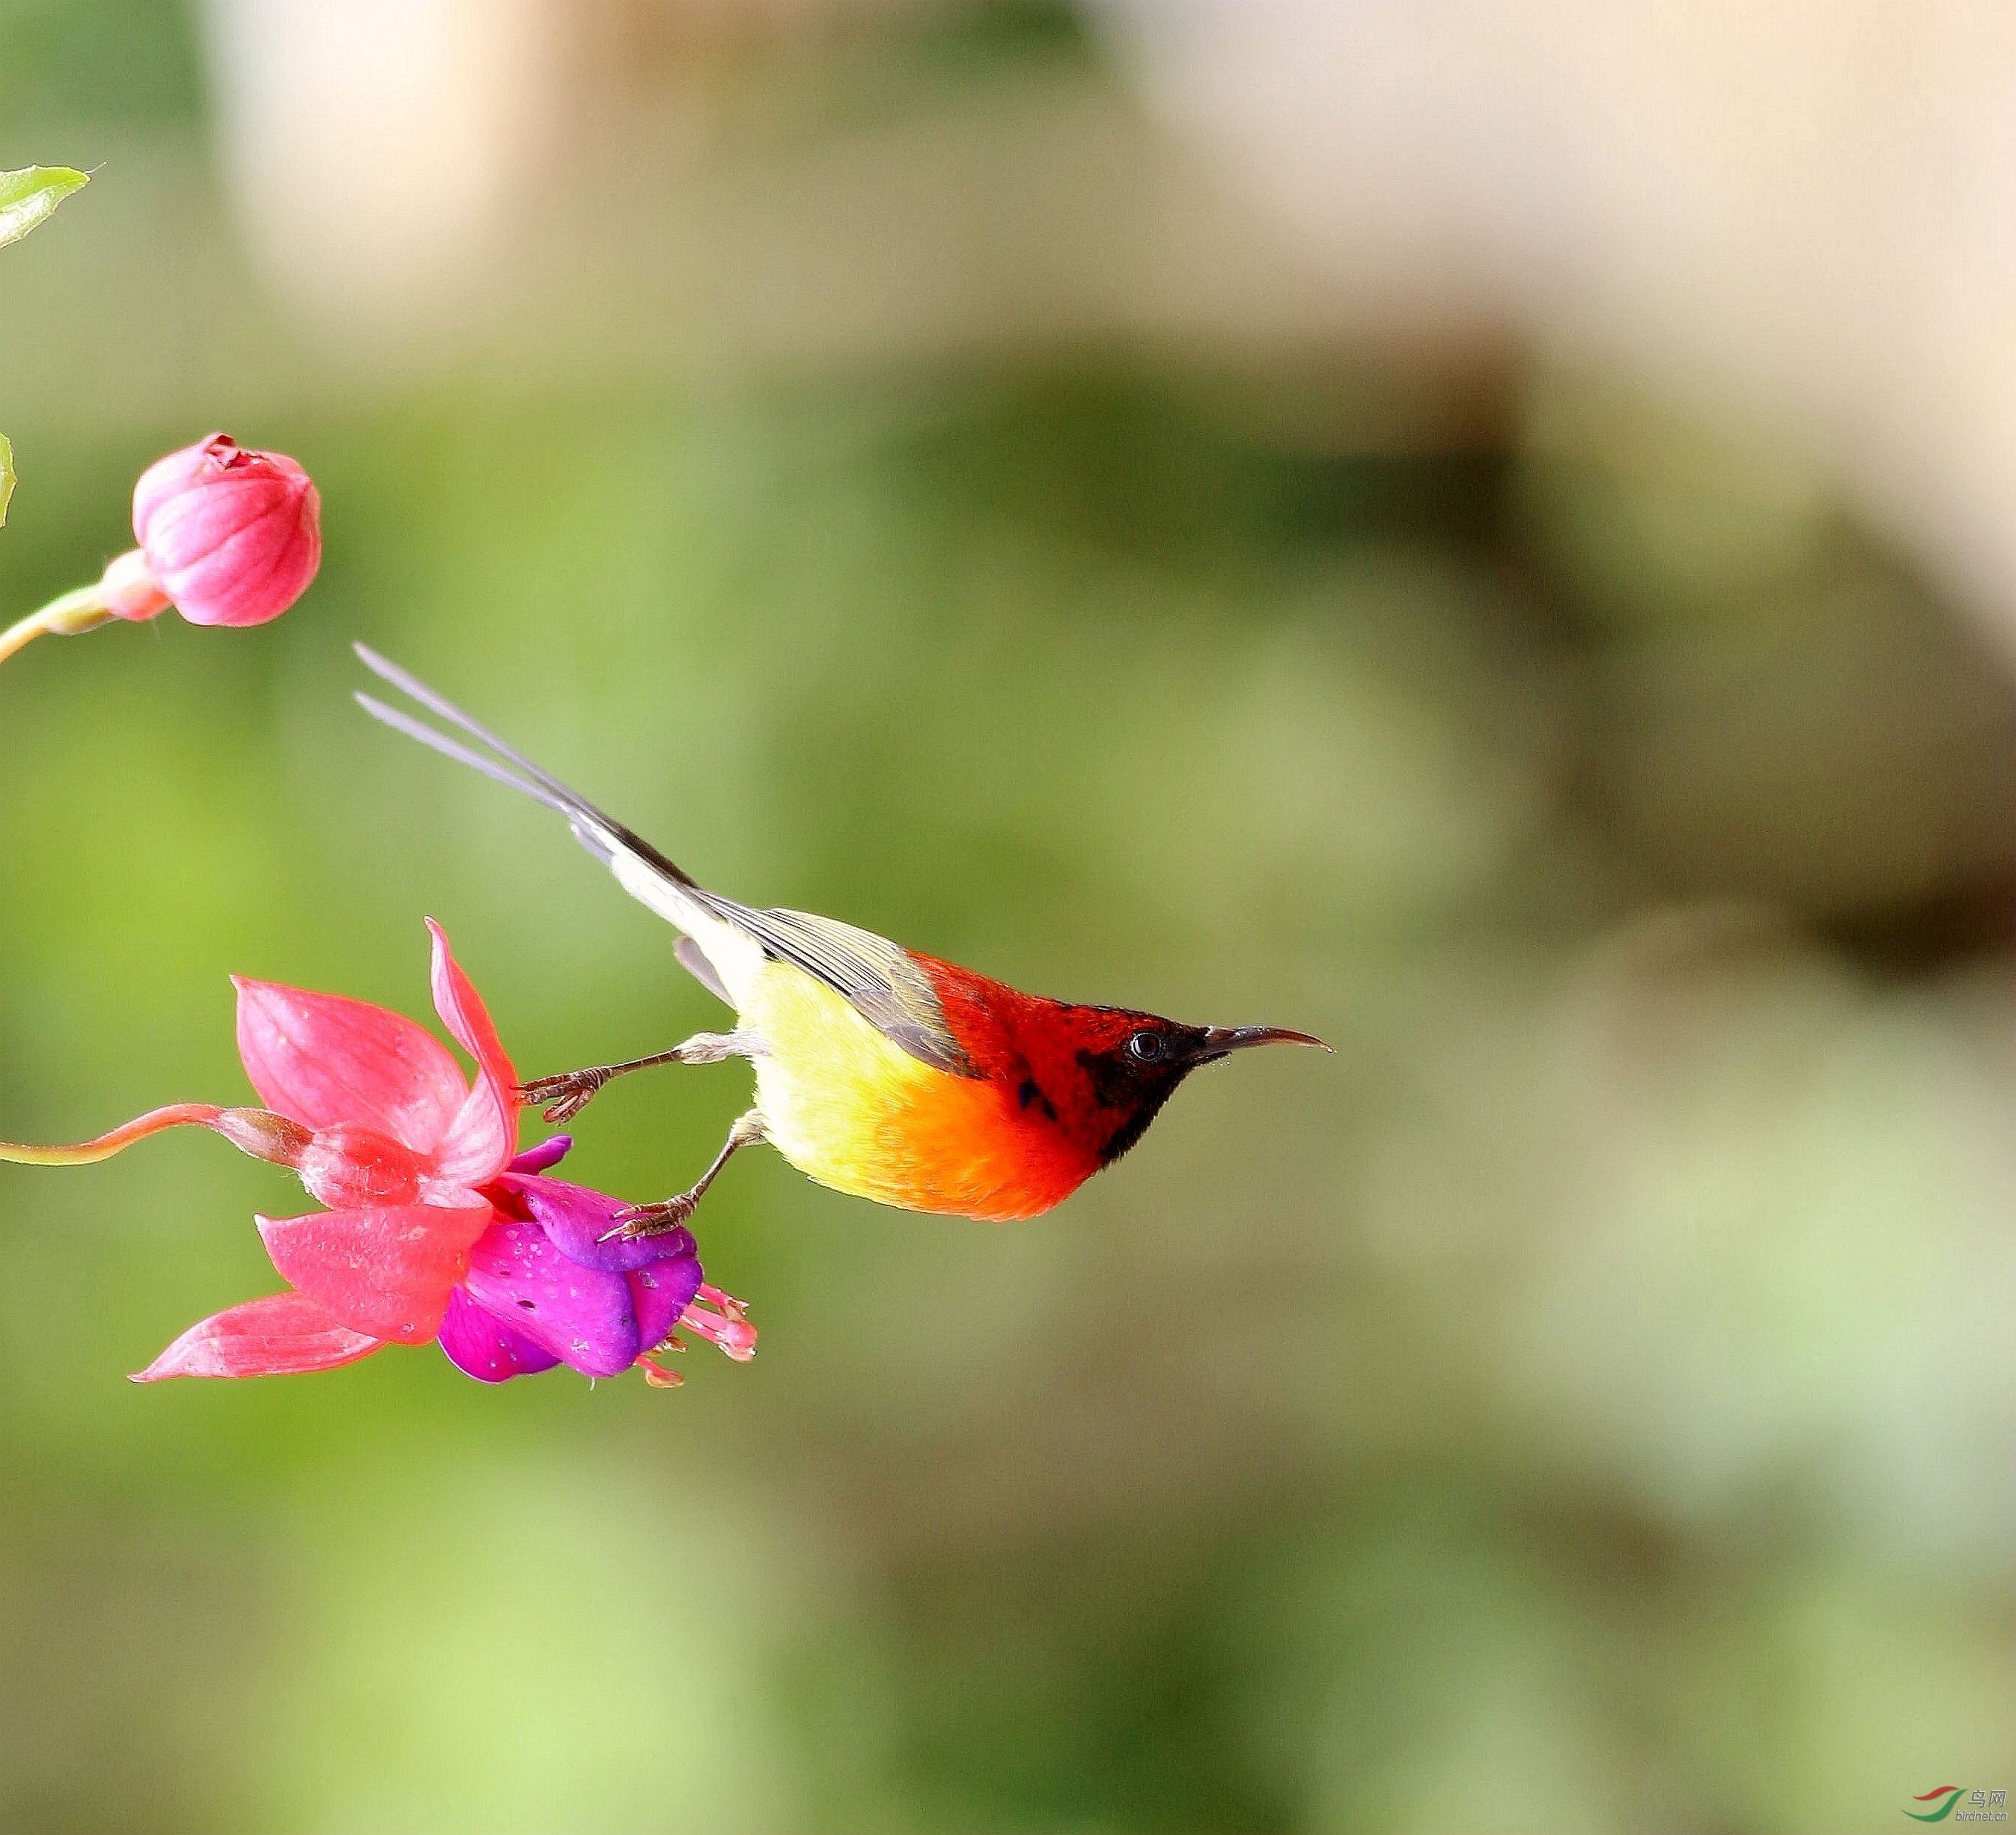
[
  {"x": 227, "y": 535},
  {"x": 436, "y": 1228}
]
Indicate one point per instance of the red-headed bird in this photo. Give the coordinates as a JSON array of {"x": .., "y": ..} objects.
[{"x": 878, "y": 1071}]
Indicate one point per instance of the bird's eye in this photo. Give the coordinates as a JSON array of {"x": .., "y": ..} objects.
[{"x": 1146, "y": 1047}]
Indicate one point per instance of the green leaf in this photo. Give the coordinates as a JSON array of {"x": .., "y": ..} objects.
[
  {"x": 6, "y": 476},
  {"x": 29, "y": 196}
]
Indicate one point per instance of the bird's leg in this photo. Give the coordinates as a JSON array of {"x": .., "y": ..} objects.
[
  {"x": 651, "y": 1220},
  {"x": 569, "y": 1093}
]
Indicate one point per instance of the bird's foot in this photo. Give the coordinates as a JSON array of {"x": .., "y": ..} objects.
[
  {"x": 566, "y": 1094},
  {"x": 652, "y": 1220}
]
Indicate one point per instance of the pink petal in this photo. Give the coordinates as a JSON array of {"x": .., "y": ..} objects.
[
  {"x": 387, "y": 1271},
  {"x": 283, "y": 1335},
  {"x": 322, "y": 1059},
  {"x": 480, "y": 1346},
  {"x": 481, "y": 1140}
]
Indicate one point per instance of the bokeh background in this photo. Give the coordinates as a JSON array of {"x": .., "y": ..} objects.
[{"x": 1480, "y": 529}]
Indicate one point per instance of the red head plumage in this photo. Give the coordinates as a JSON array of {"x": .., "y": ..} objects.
[{"x": 1079, "y": 1085}]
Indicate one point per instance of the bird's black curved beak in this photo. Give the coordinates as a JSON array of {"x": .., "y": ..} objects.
[{"x": 1218, "y": 1040}]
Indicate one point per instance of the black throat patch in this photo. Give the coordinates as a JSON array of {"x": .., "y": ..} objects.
[
  {"x": 1133, "y": 1093},
  {"x": 1135, "y": 1125}
]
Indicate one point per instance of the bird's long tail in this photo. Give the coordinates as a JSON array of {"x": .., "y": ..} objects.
[
  {"x": 597, "y": 831},
  {"x": 643, "y": 871}
]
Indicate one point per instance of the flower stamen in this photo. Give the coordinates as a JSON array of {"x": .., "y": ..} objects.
[{"x": 728, "y": 1329}]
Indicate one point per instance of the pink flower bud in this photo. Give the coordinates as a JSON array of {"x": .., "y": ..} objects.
[{"x": 228, "y": 535}]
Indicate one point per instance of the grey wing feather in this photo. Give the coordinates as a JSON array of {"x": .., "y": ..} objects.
[
  {"x": 693, "y": 958},
  {"x": 880, "y": 979}
]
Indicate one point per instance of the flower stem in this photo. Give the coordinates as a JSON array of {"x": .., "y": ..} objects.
[
  {"x": 88, "y": 1152},
  {"x": 83, "y": 609},
  {"x": 18, "y": 636}
]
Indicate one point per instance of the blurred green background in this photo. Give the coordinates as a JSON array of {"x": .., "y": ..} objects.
[{"x": 1584, "y": 1404}]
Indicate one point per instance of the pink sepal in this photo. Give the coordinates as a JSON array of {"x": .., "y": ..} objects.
[
  {"x": 322, "y": 1059},
  {"x": 387, "y": 1271},
  {"x": 480, "y": 1142},
  {"x": 281, "y": 1335}
]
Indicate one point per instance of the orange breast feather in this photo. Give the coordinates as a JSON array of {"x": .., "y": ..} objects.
[{"x": 850, "y": 1108}]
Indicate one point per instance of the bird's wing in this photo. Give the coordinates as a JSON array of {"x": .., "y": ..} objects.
[
  {"x": 694, "y": 959},
  {"x": 879, "y": 979}
]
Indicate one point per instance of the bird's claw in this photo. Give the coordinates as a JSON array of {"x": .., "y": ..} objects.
[
  {"x": 566, "y": 1094},
  {"x": 651, "y": 1220}
]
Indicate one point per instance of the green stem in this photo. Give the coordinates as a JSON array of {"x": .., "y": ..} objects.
[
  {"x": 80, "y": 610},
  {"x": 18, "y": 636},
  {"x": 88, "y": 1152}
]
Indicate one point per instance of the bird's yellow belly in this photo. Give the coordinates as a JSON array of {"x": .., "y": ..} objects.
[{"x": 851, "y": 1108}]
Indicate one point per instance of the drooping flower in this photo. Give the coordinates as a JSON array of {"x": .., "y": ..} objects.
[{"x": 436, "y": 1227}]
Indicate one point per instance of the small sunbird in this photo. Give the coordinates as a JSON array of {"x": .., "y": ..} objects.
[{"x": 879, "y": 1071}]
